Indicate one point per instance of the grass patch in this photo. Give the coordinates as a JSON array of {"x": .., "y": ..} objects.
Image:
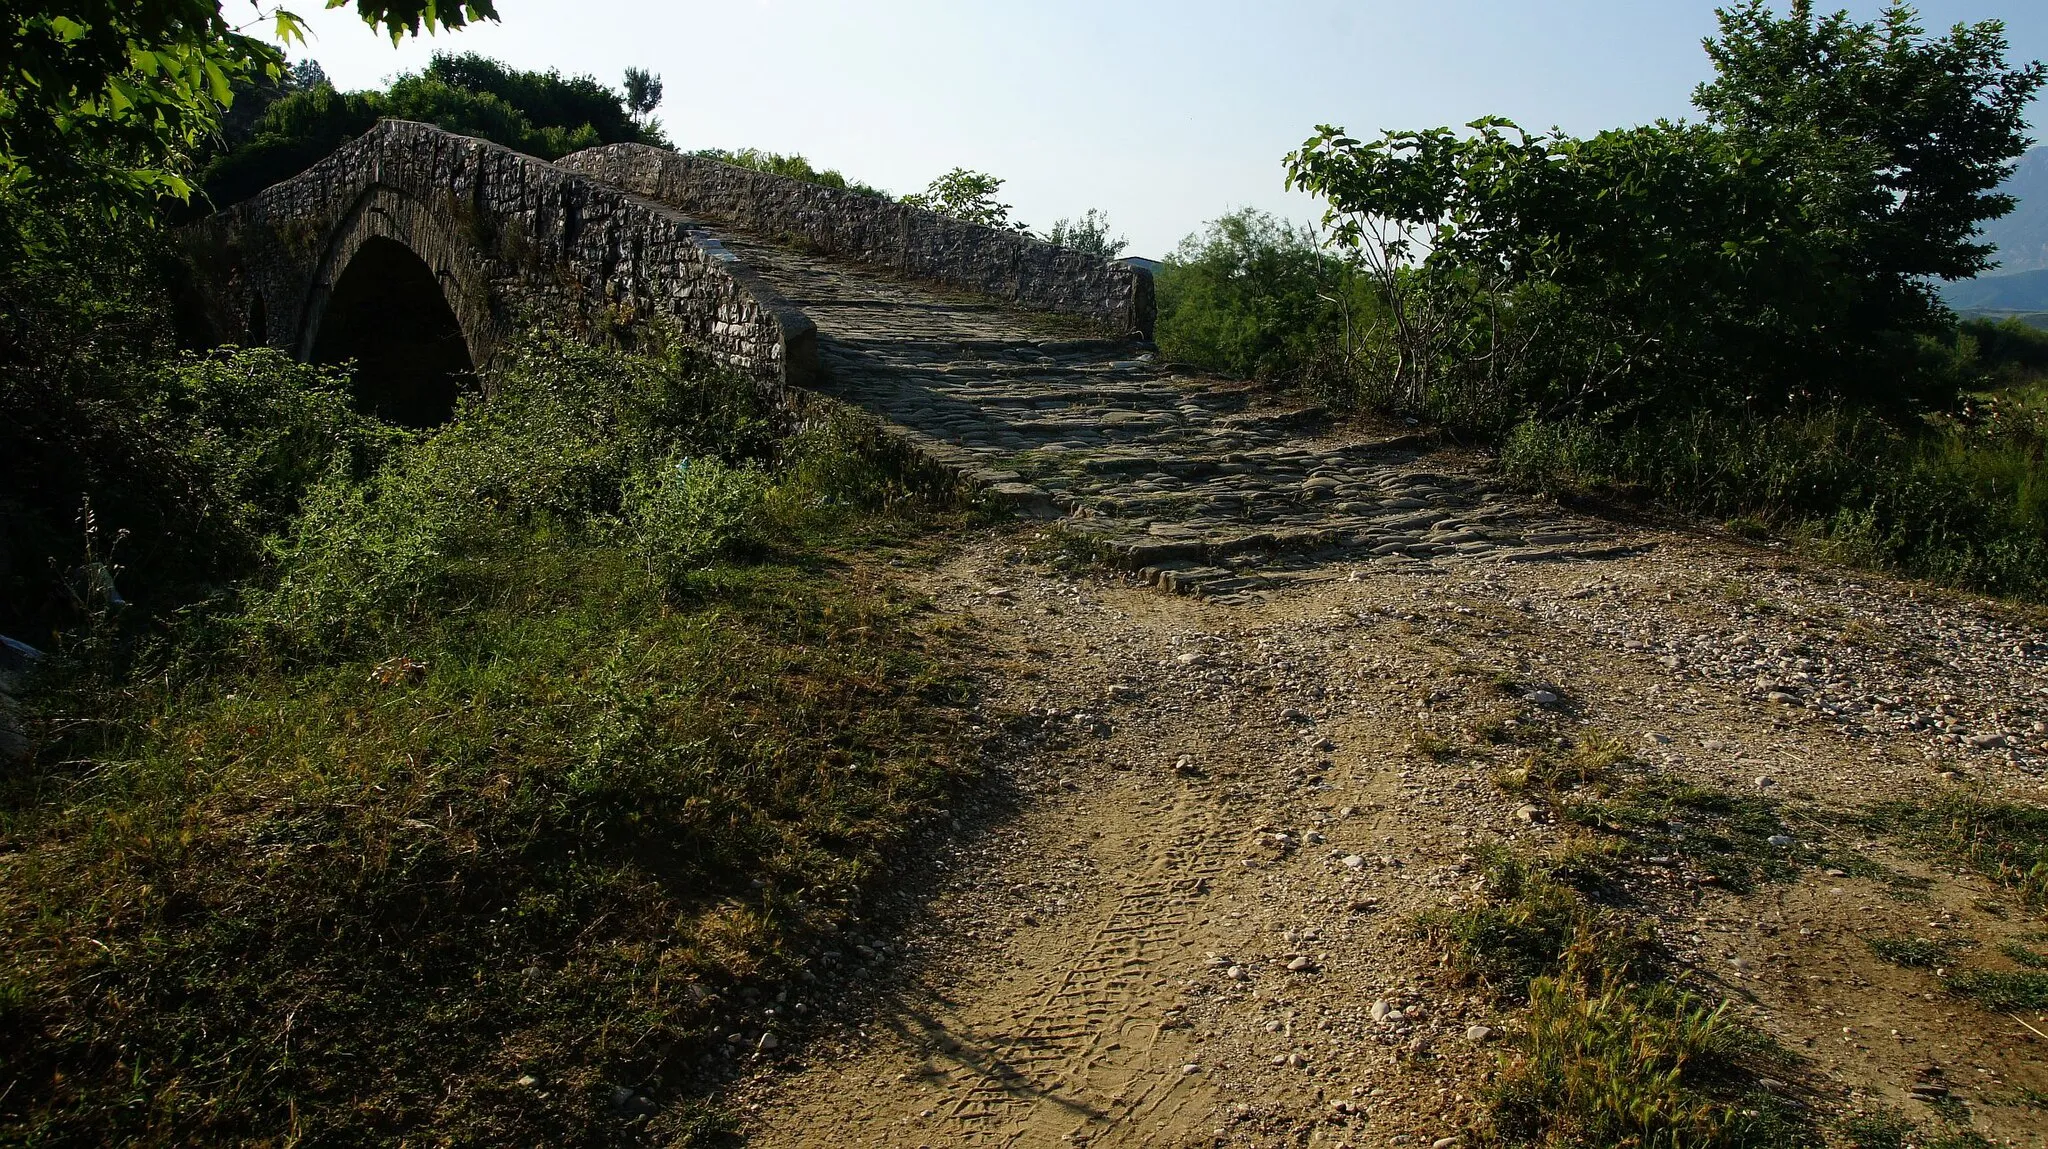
[
  {"x": 2002, "y": 991},
  {"x": 491, "y": 811},
  {"x": 1593, "y": 759},
  {"x": 1520, "y": 932},
  {"x": 1961, "y": 499},
  {"x": 1616, "y": 1052},
  {"x": 1431, "y": 745},
  {"x": 2004, "y": 841},
  {"x": 1890, "y": 1129},
  {"x": 2023, "y": 955},
  {"x": 1911, "y": 953},
  {"x": 1609, "y": 1061}
]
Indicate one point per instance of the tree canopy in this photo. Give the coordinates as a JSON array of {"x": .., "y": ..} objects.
[
  {"x": 1780, "y": 251},
  {"x": 104, "y": 103},
  {"x": 545, "y": 114}
]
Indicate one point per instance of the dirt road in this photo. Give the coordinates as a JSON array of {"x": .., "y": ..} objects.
[{"x": 1196, "y": 927}]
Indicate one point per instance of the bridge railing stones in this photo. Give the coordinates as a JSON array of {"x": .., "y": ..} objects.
[
  {"x": 921, "y": 244},
  {"x": 514, "y": 241}
]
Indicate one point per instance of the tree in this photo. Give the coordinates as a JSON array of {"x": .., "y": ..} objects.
[
  {"x": 969, "y": 196},
  {"x": 544, "y": 114},
  {"x": 1088, "y": 235},
  {"x": 1778, "y": 253},
  {"x": 104, "y": 102},
  {"x": 1902, "y": 139},
  {"x": 643, "y": 93}
]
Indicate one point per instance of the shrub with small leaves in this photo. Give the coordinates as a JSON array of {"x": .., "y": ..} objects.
[{"x": 685, "y": 513}]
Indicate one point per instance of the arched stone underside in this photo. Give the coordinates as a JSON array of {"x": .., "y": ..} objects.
[
  {"x": 388, "y": 314},
  {"x": 513, "y": 242},
  {"x": 382, "y": 215}
]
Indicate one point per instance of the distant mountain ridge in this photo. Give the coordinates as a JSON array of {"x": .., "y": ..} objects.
[
  {"x": 2020, "y": 291},
  {"x": 2020, "y": 281},
  {"x": 2022, "y": 237}
]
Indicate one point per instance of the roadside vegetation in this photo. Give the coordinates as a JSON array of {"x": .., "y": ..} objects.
[
  {"x": 472, "y": 802},
  {"x": 475, "y": 782},
  {"x": 1731, "y": 318},
  {"x": 1616, "y": 1040}
]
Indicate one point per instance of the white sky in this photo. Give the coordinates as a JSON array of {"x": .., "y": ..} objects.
[{"x": 1163, "y": 114}]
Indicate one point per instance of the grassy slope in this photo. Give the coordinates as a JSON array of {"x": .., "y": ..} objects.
[{"x": 472, "y": 881}]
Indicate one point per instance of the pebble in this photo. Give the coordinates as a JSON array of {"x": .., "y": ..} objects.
[
  {"x": 769, "y": 1041},
  {"x": 1780, "y": 840},
  {"x": 1237, "y": 973},
  {"x": 1302, "y": 965},
  {"x": 1541, "y": 697},
  {"x": 1481, "y": 1034},
  {"x": 1381, "y": 1008},
  {"x": 1530, "y": 813},
  {"x": 1354, "y": 862}
]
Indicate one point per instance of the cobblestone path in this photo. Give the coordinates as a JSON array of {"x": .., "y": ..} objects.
[{"x": 1201, "y": 483}]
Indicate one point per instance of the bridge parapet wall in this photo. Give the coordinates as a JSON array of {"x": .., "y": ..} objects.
[
  {"x": 922, "y": 244},
  {"x": 514, "y": 241}
]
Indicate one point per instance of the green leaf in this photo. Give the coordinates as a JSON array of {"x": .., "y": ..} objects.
[{"x": 217, "y": 82}]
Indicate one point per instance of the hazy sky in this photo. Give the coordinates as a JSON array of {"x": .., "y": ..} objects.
[{"x": 1163, "y": 114}]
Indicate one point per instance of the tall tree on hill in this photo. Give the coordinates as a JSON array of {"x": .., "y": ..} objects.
[{"x": 643, "y": 93}]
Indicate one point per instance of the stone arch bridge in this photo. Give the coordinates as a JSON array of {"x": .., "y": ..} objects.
[{"x": 1025, "y": 370}]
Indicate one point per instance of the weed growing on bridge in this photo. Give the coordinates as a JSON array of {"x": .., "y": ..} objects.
[{"x": 464, "y": 827}]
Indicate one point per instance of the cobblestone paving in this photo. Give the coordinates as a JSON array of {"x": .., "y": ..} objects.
[{"x": 1201, "y": 483}]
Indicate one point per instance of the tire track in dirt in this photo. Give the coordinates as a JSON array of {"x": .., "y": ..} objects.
[{"x": 1075, "y": 1047}]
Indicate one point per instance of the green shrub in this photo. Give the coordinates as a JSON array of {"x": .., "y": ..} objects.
[
  {"x": 1962, "y": 501},
  {"x": 540, "y": 113},
  {"x": 683, "y": 514},
  {"x": 555, "y": 447},
  {"x": 192, "y": 461},
  {"x": 792, "y": 166},
  {"x": 259, "y": 430},
  {"x": 1255, "y": 297},
  {"x": 479, "y": 802}
]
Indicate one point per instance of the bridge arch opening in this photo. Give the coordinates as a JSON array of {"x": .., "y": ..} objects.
[{"x": 387, "y": 313}]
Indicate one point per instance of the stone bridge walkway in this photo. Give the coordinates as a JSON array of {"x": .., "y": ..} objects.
[{"x": 1202, "y": 484}]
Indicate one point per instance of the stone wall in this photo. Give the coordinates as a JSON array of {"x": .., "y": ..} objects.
[
  {"x": 915, "y": 242},
  {"x": 513, "y": 241}
]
